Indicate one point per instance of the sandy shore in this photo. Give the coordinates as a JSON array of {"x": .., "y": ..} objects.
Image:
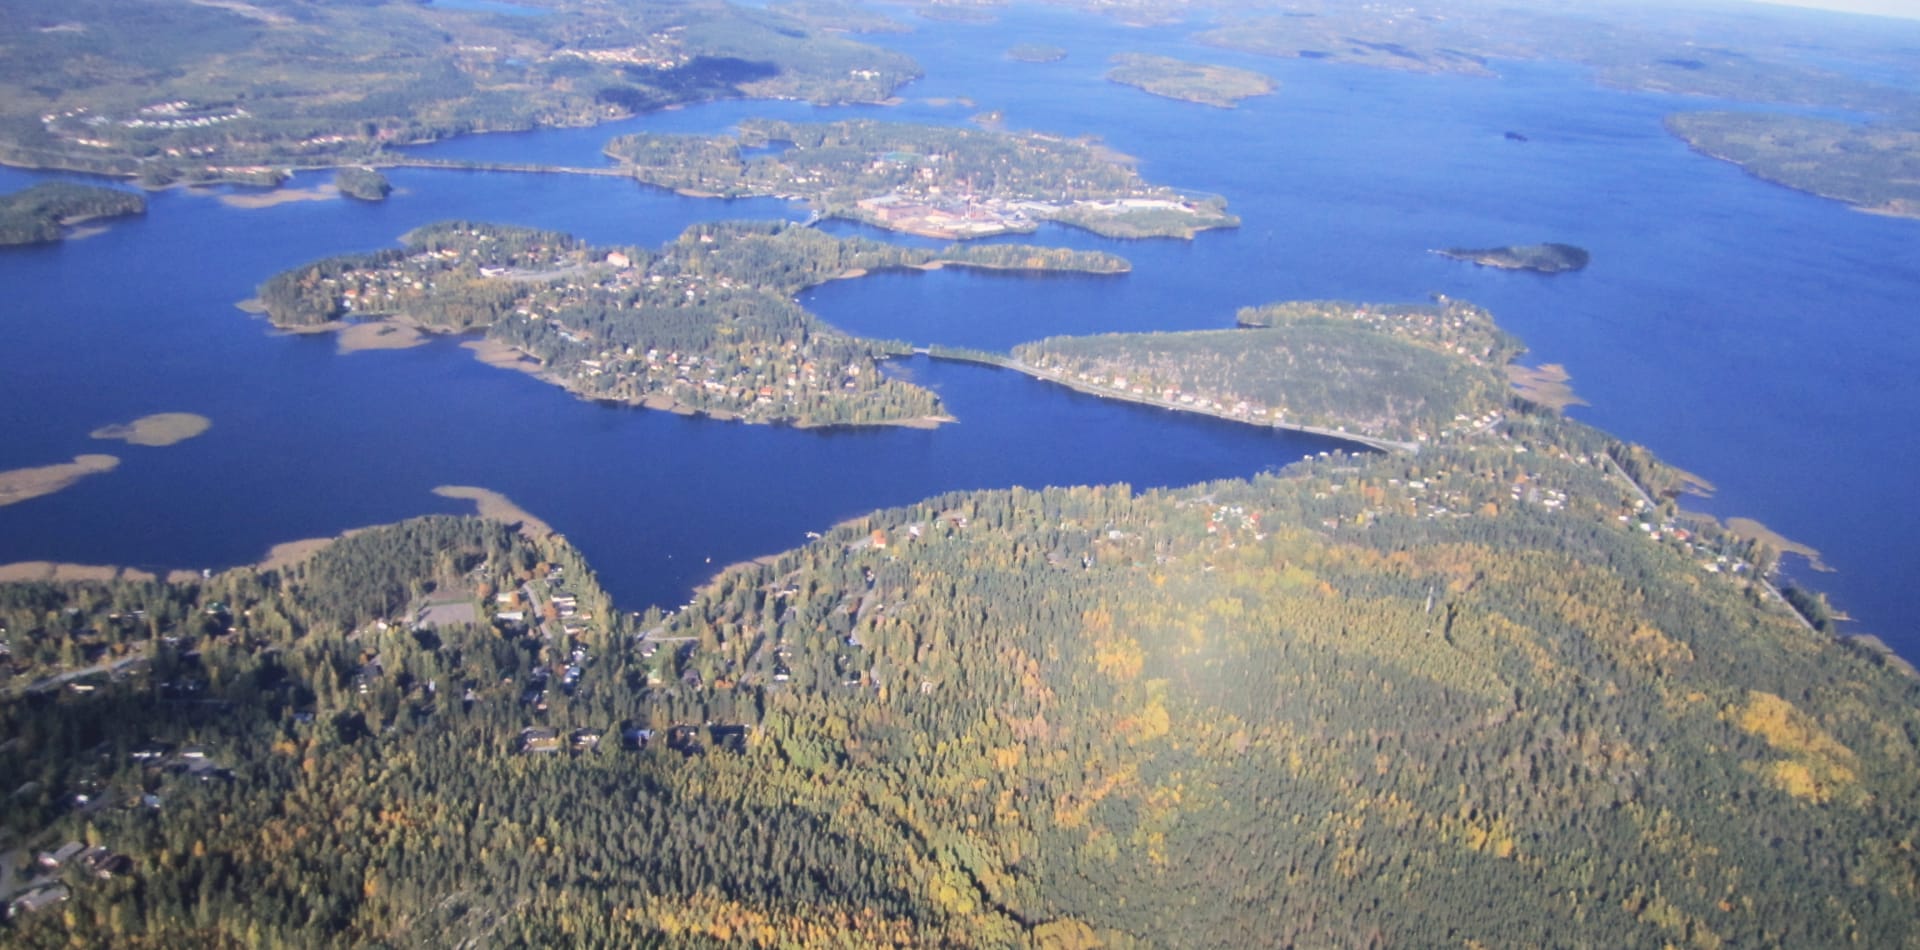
[
  {"x": 501, "y": 356},
  {"x": 21, "y": 484},
  {"x": 379, "y": 335},
  {"x": 53, "y": 571},
  {"x": 1755, "y": 531},
  {"x": 1546, "y": 385},
  {"x": 280, "y": 196},
  {"x": 288, "y": 553},
  {"x": 160, "y": 428},
  {"x": 492, "y": 504}
]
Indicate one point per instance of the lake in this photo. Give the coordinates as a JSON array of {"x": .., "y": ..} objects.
[{"x": 1756, "y": 336}]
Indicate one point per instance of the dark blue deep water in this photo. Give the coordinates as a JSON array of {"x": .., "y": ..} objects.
[{"x": 1760, "y": 337}]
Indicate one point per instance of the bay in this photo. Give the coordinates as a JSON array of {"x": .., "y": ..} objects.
[{"x": 1757, "y": 336}]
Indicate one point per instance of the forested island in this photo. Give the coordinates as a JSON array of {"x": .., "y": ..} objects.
[
  {"x": 1539, "y": 258},
  {"x": 42, "y": 213},
  {"x": 1392, "y": 374},
  {"x": 706, "y": 324},
  {"x": 362, "y": 183},
  {"x": 165, "y": 91},
  {"x": 1490, "y": 693},
  {"x": 1209, "y": 85},
  {"x": 934, "y": 181},
  {"x": 1872, "y": 167}
]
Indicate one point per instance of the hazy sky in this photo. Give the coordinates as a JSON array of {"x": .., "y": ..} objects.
[{"x": 1900, "y": 8}]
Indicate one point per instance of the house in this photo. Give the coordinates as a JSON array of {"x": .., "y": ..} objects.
[
  {"x": 38, "y": 900},
  {"x": 104, "y": 864},
  {"x": 539, "y": 739},
  {"x": 55, "y": 859}
]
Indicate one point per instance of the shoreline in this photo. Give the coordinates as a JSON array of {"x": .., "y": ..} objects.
[
  {"x": 1879, "y": 211},
  {"x": 1371, "y": 442}
]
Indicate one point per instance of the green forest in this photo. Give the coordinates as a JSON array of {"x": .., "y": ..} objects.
[
  {"x": 949, "y": 182},
  {"x": 1463, "y": 697},
  {"x": 42, "y": 213},
  {"x": 171, "y": 91},
  {"x": 1547, "y": 258},
  {"x": 362, "y": 183},
  {"x": 706, "y": 324},
  {"x": 1389, "y": 371},
  {"x": 1203, "y": 83},
  {"x": 1873, "y": 166}
]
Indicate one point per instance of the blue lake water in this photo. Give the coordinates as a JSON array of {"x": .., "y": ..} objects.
[{"x": 1759, "y": 337}]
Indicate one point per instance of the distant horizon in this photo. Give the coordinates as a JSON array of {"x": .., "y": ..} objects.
[{"x": 1903, "y": 9}]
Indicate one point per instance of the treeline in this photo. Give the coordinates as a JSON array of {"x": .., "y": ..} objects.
[
  {"x": 1317, "y": 707},
  {"x": 1874, "y": 166},
  {"x": 1398, "y": 372},
  {"x": 41, "y": 213},
  {"x": 842, "y": 162},
  {"x": 362, "y": 183},
  {"x": 301, "y": 98}
]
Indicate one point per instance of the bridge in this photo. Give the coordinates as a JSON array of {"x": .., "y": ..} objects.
[{"x": 520, "y": 167}]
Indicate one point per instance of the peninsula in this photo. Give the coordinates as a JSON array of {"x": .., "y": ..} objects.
[
  {"x": 1221, "y": 86},
  {"x": 935, "y": 181},
  {"x": 1388, "y": 374},
  {"x": 706, "y": 324},
  {"x": 42, "y": 213},
  {"x": 21, "y": 484},
  {"x": 1499, "y": 668},
  {"x": 1539, "y": 258},
  {"x": 1875, "y": 168}
]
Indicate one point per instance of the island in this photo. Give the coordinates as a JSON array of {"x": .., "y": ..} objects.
[
  {"x": 43, "y": 213},
  {"x": 1539, "y": 258},
  {"x": 1875, "y": 168},
  {"x": 362, "y": 183},
  {"x": 1036, "y": 53},
  {"x": 242, "y": 90},
  {"x": 1394, "y": 376},
  {"x": 20, "y": 484},
  {"x": 1378, "y": 694},
  {"x": 1222, "y": 86},
  {"x": 935, "y": 181},
  {"x": 158, "y": 429},
  {"x": 1869, "y": 163},
  {"x": 706, "y": 324}
]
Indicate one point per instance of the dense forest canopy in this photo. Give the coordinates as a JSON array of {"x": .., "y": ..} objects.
[
  {"x": 1496, "y": 691},
  {"x": 1419, "y": 700},
  {"x": 1390, "y": 371},
  {"x": 41, "y": 214},
  {"x": 172, "y": 91}
]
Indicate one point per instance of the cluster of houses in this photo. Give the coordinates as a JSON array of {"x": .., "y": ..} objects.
[
  {"x": 745, "y": 374},
  {"x": 950, "y": 217},
  {"x": 45, "y": 889},
  {"x": 969, "y": 216},
  {"x": 662, "y": 51}
]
